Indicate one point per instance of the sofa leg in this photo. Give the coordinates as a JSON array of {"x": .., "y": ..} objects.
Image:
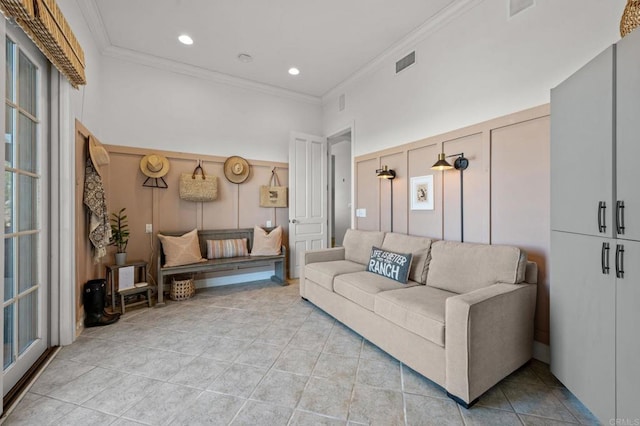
[
  {"x": 461, "y": 402},
  {"x": 304, "y": 298}
]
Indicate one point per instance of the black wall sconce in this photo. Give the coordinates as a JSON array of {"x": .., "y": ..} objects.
[
  {"x": 461, "y": 163},
  {"x": 386, "y": 173}
]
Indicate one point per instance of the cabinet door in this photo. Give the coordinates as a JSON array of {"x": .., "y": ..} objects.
[
  {"x": 582, "y": 148},
  {"x": 628, "y": 133},
  {"x": 583, "y": 320},
  {"x": 628, "y": 333}
]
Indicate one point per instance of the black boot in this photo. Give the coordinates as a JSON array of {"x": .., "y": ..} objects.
[
  {"x": 103, "y": 293},
  {"x": 94, "y": 296}
]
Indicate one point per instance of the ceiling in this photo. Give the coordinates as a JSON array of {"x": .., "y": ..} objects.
[{"x": 327, "y": 40}]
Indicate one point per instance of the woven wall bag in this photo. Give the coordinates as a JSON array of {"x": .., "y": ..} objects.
[
  {"x": 182, "y": 289},
  {"x": 197, "y": 186}
]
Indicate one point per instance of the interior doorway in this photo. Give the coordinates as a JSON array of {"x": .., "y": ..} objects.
[{"x": 340, "y": 178}]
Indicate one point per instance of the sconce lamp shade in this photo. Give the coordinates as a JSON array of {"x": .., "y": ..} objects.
[
  {"x": 442, "y": 163},
  {"x": 385, "y": 173}
]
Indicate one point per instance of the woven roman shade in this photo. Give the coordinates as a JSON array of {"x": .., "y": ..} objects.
[{"x": 43, "y": 21}]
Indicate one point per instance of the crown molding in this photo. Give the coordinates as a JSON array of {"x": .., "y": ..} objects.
[
  {"x": 443, "y": 17},
  {"x": 91, "y": 14},
  {"x": 205, "y": 74},
  {"x": 93, "y": 18}
]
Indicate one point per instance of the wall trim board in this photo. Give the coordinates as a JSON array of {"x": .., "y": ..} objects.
[
  {"x": 494, "y": 123},
  {"x": 121, "y": 149},
  {"x": 499, "y": 205}
]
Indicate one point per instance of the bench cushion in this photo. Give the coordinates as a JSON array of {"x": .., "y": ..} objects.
[
  {"x": 419, "y": 309},
  {"x": 218, "y": 249},
  {"x": 266, "y": 243},
  {"x": 182, "y": 250},
  {"x": 323, "y": 273},
  {"x": 465, "y": 267},
  {"x": 362, "y": 287}
]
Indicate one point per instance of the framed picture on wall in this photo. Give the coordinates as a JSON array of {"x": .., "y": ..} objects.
[{"x": 422, "y": 192}]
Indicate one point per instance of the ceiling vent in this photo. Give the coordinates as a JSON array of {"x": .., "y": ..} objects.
[
  {"x": 405, "y": 62},
  {"x": 517, "y": 6},
  {"x": 341, "y": 103}
]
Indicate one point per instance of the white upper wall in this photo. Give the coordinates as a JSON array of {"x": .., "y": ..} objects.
[
  {"x": 151, "y": 108},
  {"x": 87, "y": 100},
  {"x": 479, "y": 66}
]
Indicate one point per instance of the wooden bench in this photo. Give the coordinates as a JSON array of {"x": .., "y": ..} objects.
[{"x": 226, "y": 264}]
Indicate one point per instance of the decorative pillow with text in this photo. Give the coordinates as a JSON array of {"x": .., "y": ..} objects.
[{"x": 395, "y": 266}]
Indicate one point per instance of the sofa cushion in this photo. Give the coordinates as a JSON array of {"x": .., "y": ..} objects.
[
  {"x": 362, "y": 287},
  {"x": 465, "y": 267},
  {"x": 323, "y": 273},
  {"x": 419, "y": 247},
  {"x": 419, "y": 309},
  {"x": 357, "y": 244}
]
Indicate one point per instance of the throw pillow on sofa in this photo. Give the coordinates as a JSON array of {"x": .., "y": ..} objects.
[
  {"x": 266, "y": 243},
  {"x": 182, "y": 250},
  {"x": 395, "y": 266}
]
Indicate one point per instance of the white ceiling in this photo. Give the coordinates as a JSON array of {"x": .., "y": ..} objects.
[{"x": 328, "y": 40}]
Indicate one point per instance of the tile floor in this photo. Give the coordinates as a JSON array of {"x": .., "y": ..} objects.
[{"x": 257, "y": 354}]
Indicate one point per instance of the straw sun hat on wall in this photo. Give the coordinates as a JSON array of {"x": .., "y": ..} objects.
[
  {"x": 98, "y": 154},
  {"x": 236, "y": 169},
  {"x": 154, "y": 165}
]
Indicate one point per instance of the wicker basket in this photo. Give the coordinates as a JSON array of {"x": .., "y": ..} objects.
[
  {"x": 630, "y": 17},
  {"x": 182, "y": 289}
]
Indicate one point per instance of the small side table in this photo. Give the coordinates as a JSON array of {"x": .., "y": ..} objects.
[
  {"x": 139, "y": 288},
  {"x": 112, "y": 281}
]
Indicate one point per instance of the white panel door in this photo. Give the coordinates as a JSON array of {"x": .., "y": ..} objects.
[
  {"x": 628, "y": 320},
  {"x": 307, "y": 196},
  {"x": 583, "y": 315},
  {"x": 582, "y": 149},
  {"x": 628, "y": 136}
]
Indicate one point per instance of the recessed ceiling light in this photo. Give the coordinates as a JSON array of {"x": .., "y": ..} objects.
[
  {"x": 294, "y": 71},
  {"x": 185, "y": 39},
  {"x": 245, "y": 57}
]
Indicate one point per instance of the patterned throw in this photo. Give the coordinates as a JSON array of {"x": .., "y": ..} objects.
[
  {"x": 94, "y": 199},
  {"x": 217, "y": 249}
]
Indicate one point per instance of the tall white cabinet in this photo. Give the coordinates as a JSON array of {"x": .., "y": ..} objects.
[{"x": 595, "y": 232}]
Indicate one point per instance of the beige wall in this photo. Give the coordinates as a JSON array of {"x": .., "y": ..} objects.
[
  {"x": 506, "y": 190},
  {"x": 236, "y": 206}
]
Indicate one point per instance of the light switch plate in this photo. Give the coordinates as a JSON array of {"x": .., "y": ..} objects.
[
  {"x": 268, "y": 224},
  {"x": 361, "y": 212}
]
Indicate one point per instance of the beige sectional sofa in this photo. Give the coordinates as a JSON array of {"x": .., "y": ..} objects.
[{"x": 463, "y": 320}]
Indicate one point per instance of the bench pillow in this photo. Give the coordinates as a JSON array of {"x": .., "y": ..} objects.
[
  {"x": 183, "y": 250},
  {"x": 395, "y": 266},
  {"x": 266, "y": 243},
  {"x": 218, "y": 249}
]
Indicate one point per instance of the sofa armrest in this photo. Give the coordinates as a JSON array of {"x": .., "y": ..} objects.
[
  {"x": 316, "y": 256},
  {"x": 488, "y": 334},
  {"x": 322, "y": 255}
]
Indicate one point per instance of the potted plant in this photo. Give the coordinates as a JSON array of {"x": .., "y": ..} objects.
[{"x": 120, "y": 235}]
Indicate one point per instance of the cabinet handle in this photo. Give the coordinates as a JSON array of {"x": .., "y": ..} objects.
[
  {"x": 620, "y": 217},
  {"x": 604, "y": 258},
  {"x": 602, "y": 207},
  {"x": 619, "y": 261}
]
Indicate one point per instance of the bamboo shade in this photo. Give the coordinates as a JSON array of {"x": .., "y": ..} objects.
[{"x": 43, "y": 21}]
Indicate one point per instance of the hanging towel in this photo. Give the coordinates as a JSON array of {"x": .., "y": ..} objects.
[{"x": 94, "y": 199}]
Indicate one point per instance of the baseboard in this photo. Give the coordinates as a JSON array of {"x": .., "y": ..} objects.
[
  {"x": 234, "y": 279},
  {"x": 541, "y": 352}
]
